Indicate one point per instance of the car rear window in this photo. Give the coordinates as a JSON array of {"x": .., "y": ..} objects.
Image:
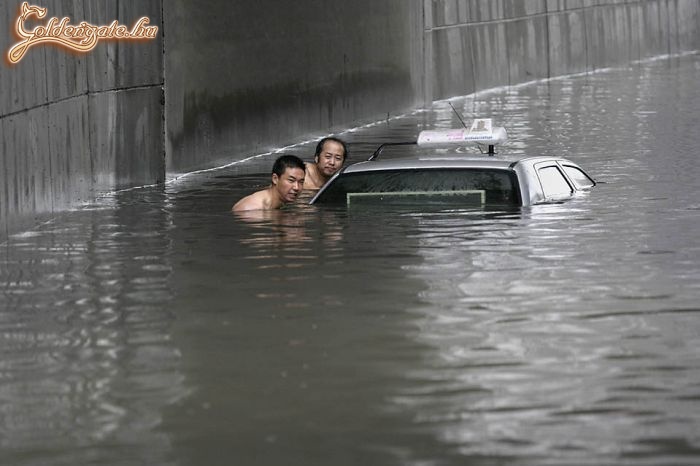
[{"x": 454, "y": 185}]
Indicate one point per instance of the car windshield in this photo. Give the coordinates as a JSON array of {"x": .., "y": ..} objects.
[{"x": 462, "y": 186}]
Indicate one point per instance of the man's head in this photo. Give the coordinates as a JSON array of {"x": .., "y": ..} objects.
[
  {"x": 330, "y": 155},
  {"x": 288, "y": 177}
]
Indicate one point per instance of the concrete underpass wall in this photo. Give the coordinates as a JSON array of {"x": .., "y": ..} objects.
[
  {"x": 480, "y": 44},
  {"x": 75, "y": 125},
  {"x": 244, "y": 77}
]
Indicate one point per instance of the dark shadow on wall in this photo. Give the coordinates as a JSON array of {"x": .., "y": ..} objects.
[
  {"x": 264, "y": 74},
  {"x": 213, "y": 126}
]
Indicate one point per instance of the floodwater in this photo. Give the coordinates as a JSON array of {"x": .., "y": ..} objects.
[{"x": 155, "y": 327}]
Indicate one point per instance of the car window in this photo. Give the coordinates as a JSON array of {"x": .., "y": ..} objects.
[
  {"x": 553, "y": 181},
  {"x": 578, "y": 176},
  {"x": 434, "y": 185}
]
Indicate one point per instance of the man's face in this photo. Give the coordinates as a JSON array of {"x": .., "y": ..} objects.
[
  {"x": 289, "y": 185},
  {"x": 331, "y": 158}
]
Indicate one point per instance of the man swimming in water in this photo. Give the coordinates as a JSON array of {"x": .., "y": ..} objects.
[
  {"x": 330, "y": 155},
  {"x": 287, "y": 182}
]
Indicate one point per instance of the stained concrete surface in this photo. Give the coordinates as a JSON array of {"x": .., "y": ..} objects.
[
  {"x": 57, "y": 109},
  {"x": 247, "y": 76},
  {"x": 478, "y": 44}
]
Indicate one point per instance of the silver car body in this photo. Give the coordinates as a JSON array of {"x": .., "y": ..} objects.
[{"x": 528, "y": 171}]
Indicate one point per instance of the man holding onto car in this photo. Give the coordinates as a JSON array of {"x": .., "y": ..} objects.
[{"x": 330, "y": 155}]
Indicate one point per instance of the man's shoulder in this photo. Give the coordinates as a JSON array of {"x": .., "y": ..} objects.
[
  {"x": 256, "y": 201},
  {"x": 311, "y": 168},
  {"x": 313, "y": 178}
]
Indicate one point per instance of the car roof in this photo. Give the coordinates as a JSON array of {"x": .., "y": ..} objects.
[{"x": 442, "y": 160}]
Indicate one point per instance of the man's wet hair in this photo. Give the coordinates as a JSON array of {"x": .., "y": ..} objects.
[
  {"x": 319, "y": 146},
  {"x": 287, "y": 161}
]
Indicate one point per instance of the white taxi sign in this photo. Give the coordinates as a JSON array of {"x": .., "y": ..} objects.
[{"x": 482, "y": 131}]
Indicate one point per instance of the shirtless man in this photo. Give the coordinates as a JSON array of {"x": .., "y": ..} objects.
[
  {"x": 330, "y": 156},
  {"x": 287, "y": 183}
]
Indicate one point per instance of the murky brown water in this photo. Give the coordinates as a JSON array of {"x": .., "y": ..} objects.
[{"x": 157, "y": 328}]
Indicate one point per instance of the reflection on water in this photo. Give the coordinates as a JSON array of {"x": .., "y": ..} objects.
[
  {"x": 87, "y": 355},
  {"x": 159, "y": 328}
]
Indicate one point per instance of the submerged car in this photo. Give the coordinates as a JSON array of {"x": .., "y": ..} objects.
[{"x": 437, "y": 175}]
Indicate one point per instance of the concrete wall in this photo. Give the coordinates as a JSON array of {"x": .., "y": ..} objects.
[
  {"x": 243, "y": 77},
  {"x": 480, "y": 44},
  {"x": 75, "y": 125}
]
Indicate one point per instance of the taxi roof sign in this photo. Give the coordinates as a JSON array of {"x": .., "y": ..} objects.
[{"x": 482, "y": 132}]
